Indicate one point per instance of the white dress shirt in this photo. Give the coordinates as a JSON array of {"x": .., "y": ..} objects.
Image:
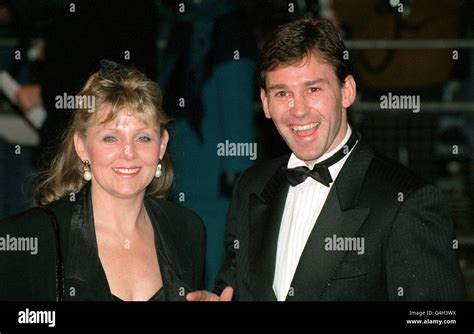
[{"x": 304, "y": 203}]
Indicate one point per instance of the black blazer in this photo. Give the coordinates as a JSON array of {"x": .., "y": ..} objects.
[
  {"x": 179, "y": 235},
  {"x": 408, "y": 236}
]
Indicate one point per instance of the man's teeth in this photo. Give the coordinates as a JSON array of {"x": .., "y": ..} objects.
[
  {"x": 305, "y": 127},
  {"x": 127, "y": 170}
]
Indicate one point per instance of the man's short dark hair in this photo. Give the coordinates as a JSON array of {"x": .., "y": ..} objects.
[{"x": 293, "y": 41}]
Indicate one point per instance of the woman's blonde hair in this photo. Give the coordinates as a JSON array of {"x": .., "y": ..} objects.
[{"x": 122, "y": 88}]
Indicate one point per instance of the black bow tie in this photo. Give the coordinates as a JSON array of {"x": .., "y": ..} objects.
[{"x": 320, "y": 171}]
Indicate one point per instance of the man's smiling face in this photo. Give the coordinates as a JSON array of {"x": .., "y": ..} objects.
[{"x": 308, "y": 105}]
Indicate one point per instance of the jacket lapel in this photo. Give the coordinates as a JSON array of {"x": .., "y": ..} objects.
[
  {"x": 178, "y": 271},
  {"x": 265, "y": 212},
  {"x": 340, "y": 216},
  {"x": 83, "y": 273}
]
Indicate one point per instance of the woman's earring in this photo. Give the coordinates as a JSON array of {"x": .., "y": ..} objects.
[
  {"x": 158, "y": 171},
  {"x": 86, "y": 171}
]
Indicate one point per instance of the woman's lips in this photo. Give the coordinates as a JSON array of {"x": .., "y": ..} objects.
[{"x": 127, "y": 171}]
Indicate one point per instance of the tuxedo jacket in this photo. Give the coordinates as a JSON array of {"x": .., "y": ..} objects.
[
  {"x": 404, "y": 221},
  {"x": 179, "y": 238}
]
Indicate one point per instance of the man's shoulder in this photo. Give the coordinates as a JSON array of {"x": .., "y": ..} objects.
[
  {"x": 390, "y": 174},
  {"x": 261, "y": 172}
]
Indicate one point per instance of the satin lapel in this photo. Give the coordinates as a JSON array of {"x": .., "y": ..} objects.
[
  {"x": 84, "y": 276},
  {"x": 265, "y": 213},
  {"x": 341, "y": 217},
  {"x": 168, "y": 246}
]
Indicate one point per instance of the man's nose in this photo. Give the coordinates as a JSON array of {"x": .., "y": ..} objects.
[{"x": 298, "y": 105}]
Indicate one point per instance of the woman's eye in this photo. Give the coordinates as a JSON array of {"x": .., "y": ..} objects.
[
  {"x": 109, "y": 139},
  {"x": 144, "y": 139}
]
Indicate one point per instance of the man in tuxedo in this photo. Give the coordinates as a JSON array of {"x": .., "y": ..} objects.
[{"x": 334, "y": 220}]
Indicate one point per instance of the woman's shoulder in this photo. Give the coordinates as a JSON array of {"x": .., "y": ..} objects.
[
  {"x": 177, "y": 212},
  {"x": 24, "y": 217},
  {"x": 34, "y": 218},
  {"x": 32, "y": 222}
]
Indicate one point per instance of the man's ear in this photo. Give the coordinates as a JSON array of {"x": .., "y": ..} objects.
[
  {"x": 264, "y": 99},
  {"x": 80, "y": 147},
  {"x": 164, "y": 143},
  {"x": 348, "y": 92}
]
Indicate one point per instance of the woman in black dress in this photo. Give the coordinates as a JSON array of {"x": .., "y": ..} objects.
[{"x": 103, "y": 230}]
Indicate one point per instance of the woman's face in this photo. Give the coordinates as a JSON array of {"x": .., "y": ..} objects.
[{"x": 123, "y": 153}]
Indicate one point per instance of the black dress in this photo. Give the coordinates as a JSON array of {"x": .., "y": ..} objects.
[
  {"x": 159, "y": 296},
  {"x": 33, "y": 276}
]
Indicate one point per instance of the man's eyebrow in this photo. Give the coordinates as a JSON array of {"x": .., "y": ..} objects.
[
  {"x": 315, "y": 81},
  {"x": 306, "y": 83},
  {"x": 277, "y": 86}
]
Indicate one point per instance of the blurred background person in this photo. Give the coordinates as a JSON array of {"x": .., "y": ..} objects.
[{"x": 207, "y": 71}]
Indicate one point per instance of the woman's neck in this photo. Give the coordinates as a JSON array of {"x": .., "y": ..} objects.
[{"x": 123, "y": 215}]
